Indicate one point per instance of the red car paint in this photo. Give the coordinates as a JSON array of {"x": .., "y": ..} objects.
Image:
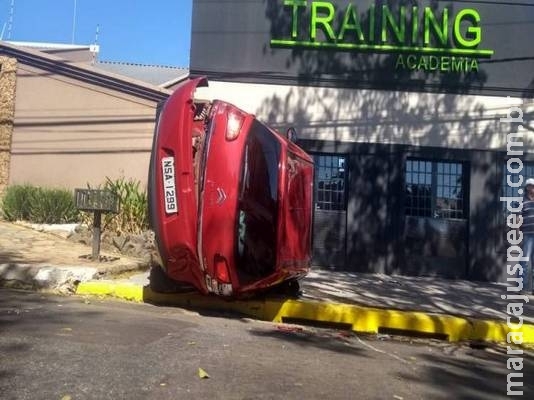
[{"x": 230, "y": 199}]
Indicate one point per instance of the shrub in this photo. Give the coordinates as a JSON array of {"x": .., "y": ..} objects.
[
  {"x": 39, "y": 205},
  {"x": 16, "y": 202},
  {"x": 133, "y": 212},
  {"x": 53, "y": 206}
]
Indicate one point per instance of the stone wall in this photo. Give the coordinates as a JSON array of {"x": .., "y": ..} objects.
[{"x": 8, "y": 79}]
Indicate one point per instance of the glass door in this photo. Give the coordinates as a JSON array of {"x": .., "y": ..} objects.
[{"x": 330, "y": 210}]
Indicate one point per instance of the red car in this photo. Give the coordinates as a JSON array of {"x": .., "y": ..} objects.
[{"x": 230, "y": 199}]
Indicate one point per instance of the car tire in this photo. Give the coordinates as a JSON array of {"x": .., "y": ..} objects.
[
  {"x": 159, "y": 282},
  {"x": 289, "y": 288}
]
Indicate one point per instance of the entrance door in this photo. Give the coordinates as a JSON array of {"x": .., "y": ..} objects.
[
  {"x": 330, "y": 210},
  {"x": 435, "y": 212}
]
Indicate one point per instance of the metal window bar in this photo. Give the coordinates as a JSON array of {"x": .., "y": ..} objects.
[
  {"x": 435, "y": 189},
  {"x": 330, "y": 182}
]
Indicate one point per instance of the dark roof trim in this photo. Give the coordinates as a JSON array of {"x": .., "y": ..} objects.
[
  {"x": 84, "y": 74},
  {"x": 142, "y": 65},
  {"x": 339, "y": 81}
]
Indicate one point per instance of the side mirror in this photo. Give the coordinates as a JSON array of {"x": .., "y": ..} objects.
[{"x": 291, "y": 135}]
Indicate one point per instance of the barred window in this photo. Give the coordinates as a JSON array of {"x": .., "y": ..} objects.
[
  {"x": 330, "y": 182},
  {"x": 435, "y": 189},
  {"x": 419, "y": 188},
  {"x": 450, "y": 193}
]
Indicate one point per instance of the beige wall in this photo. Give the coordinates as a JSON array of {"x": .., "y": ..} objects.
[
  {"x": 356, "y": 115},
  {"x": 69, "y": 133},
  {"x": 8, "y": 68}
]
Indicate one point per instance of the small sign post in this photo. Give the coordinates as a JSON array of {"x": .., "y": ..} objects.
[{"x": 98, "y": 202}]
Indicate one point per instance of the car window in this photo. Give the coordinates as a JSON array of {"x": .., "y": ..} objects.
[{"x": 258, "y": 205}]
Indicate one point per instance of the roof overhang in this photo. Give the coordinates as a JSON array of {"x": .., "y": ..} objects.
[{"x": 84, "y": 73}]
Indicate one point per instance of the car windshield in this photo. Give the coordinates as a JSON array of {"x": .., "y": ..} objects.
[{"x": 258, "y": 205}]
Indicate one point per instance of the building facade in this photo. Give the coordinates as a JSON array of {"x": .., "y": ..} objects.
[
  {"x": 400, "y": 104},
  {"x": 65, "y": 123}
]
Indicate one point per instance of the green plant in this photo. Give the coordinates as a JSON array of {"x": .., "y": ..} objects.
[
  {"x": 39, "y": 205},
  {"x": 16, "y": 202},
  {"x": 42, "y": 205},
  {"x": 52, "y": 206},
  {"x": 133, "y": 211}
]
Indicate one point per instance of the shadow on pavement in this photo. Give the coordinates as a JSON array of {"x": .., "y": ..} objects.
[
  {"x": 321, "y": 339},
  {"x": 481, "y": 376},
  {"x": 437, "y": 295}
]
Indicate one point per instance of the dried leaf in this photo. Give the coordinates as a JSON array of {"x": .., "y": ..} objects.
[{"x": 202, "y": 374}]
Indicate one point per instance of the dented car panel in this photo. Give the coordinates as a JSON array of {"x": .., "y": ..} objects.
[{"x": 230, "y": 198}]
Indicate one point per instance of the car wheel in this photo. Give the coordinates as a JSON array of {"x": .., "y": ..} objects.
[
  {"x": 159, "y": 282},
  {"x": 289, "y": 288}
]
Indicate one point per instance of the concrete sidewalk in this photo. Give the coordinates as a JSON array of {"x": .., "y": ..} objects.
[
  {"x": 456, "y": 310},
  {"x": 461, "y": 298},
  {"x": 41, "y": 257}
]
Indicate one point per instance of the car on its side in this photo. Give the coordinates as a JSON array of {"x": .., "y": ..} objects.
[{"x": 230, "y": 199}]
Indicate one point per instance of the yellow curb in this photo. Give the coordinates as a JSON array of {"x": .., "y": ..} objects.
[
  {"x": 358, "y": 318},
  {"x": 125, "y": 291}
]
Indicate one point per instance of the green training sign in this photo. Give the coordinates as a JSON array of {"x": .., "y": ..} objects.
[{"x": 423, "y": 38}]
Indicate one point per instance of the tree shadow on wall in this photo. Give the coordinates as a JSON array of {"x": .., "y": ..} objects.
[{"x": 365, "y": 123}]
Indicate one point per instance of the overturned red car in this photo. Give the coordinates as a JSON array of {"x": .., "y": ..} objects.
[{"x": 230, "y": 199}]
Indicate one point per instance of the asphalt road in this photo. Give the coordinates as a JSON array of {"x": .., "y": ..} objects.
[{"x": 74, "y": 348}]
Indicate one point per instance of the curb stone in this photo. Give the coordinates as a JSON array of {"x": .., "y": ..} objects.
[
  {"x": 356, "y": 318},
  {"x": 63, "y": 279}
]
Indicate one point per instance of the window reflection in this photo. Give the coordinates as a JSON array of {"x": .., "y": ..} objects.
[
  {"x": 330, "y": 182},
  {"x": 434, "y": 189}
]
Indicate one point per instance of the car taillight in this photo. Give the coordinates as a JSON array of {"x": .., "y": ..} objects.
[
  {"x": 234, "y": 123},
  {"x": 221, "y": 270}
]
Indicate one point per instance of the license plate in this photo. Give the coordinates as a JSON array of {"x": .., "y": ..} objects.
[{"x": 169, "y": 185}]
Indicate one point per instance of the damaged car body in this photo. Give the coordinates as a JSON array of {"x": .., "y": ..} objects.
[{"x": 230, "y": 199}]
